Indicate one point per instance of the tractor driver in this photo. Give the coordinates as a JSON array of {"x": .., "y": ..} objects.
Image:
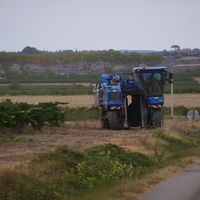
[
  {"x": 115, "y": 79},
  {"x": 153, "y": 83}
]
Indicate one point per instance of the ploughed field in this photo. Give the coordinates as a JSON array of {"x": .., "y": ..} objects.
[{"x": 187, "y": 100}]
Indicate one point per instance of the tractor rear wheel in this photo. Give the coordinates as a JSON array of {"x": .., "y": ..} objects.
[
  {"x": 115, "y": 120},
  {"x": 156, "y": 119}
]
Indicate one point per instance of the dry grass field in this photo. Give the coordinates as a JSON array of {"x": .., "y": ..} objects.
[
  {"x": 187, "y": 100},
  {"x": 80, "y": 136}
]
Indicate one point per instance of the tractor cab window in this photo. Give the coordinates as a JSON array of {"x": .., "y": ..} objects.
[{"x": 152, "y": 82}]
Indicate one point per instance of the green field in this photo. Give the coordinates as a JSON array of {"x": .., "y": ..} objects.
[
  {"x": 16, "y": 89},
  {"x": 87, "y": 78},
  {"x": 183, "y": 83}
]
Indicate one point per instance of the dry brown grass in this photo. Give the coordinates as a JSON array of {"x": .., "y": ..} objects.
[
  {"x": 82, "y": 135},
  {"x": 187, "y": 100},
  {"x": 177, "y": 127},
  {"x": 77, "y": 135}
]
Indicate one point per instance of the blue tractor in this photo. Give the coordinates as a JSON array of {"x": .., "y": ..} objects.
[{"x": 132, "y": 99}]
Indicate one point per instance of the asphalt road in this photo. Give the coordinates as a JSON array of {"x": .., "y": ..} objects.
[{"x": 183, "y": 186}]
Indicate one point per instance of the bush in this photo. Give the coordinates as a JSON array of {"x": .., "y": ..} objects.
[
  {"x": 107, "y": 163},
  {"x": 94, "y": 167},
  {"x": 20, "y": 115},
  {"x": 134, "y": 158}
]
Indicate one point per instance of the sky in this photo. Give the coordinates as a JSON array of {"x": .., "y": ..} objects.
[{"x": 99, "y": 24}]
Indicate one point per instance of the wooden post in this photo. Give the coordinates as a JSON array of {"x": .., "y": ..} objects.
[{"x": 172, "y": 99}]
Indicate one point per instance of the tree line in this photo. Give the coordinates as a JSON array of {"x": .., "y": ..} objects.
[{"x": 69, "y": 56}]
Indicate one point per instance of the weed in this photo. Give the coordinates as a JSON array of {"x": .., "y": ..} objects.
[{"x": 159, "y": 151}]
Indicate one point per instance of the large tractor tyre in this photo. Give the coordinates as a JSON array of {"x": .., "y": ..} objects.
[
  {"x": 115, "y": 120},
  {"x": 134, "y": 115},
  {"x": 156, "y": 119},
  {"x": 105, "y": 124}
]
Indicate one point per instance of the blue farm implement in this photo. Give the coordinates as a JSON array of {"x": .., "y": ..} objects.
[{"x": 132, "y": 99}]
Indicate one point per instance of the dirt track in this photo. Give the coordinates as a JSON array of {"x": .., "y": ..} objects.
[{"x": 187, "y": 100}]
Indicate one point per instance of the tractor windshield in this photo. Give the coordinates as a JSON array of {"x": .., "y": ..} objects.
[{"x": 151, "y": 81}]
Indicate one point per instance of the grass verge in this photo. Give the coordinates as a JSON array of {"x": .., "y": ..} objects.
[{"x": 101, "y": 172}]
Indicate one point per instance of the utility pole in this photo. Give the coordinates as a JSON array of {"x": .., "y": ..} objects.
[
  {"x": 172, "y": 99},
  {"x": 171, "y": 81}
]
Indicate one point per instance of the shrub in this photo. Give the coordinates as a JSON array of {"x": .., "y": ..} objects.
[
  {"x": 94, "y": 167},
  {"x": 19, "y": 115},
  {"x": 134, "y": 158},
  {"x": 107, "y": 163}
]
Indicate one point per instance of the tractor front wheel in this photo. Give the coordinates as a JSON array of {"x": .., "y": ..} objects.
[
  {"x": 115, "y": 120},
  {"x": 156, "y": 119}
]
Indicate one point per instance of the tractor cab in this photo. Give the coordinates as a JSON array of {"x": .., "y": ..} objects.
[{"x": 151, "y": 80}]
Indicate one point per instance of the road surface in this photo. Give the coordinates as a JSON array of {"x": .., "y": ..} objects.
[{"x": 184, "y": 186}]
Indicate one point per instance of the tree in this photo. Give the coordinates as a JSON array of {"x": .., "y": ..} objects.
[
  {"x": 176, "y": 47},
  {"x": 30, "y": 50}
]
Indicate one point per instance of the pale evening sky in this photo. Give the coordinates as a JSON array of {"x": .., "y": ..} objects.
[{"x": 99, "y": 24}]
